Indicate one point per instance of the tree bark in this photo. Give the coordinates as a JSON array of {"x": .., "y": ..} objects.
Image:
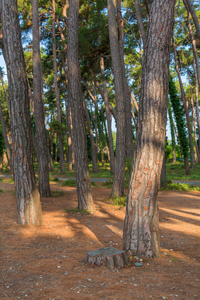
[
  {"x": 85, "y": 200},
  {"x": 172, "y": 132},
  {"x": 61, "y": 152},
  {"x": 141, "y": 225},
  {"x": 39, "y": 113},
  {"x": 111, "y": 150},
  {"x": 197, "y": 102},
  {"x": 185, "y": 104},
  {"x": 139, "y": 21},
  {"x": 118, "y": 182},
  {"x": 28, "y": 198}
]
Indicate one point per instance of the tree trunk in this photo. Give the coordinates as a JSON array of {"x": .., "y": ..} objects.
[
  {"x": 39, "y": 113},
  {"x": 172, "y": 132},
  {"x": 163, "y": 178},
  {"x": 93, "y": 147},
  {"x": 61, "y": 151},
  {"x": 85, "y": 200},
  {"x": 111, "y": 150},
  {"x": 28, "y": 198},
  {"x": 118, "y": 182},
  {"x": 185, "y": 104},
  {"x": 197, "y": 102},
  {"x": 127, "y": 94},
  {"x": 8, "y": 150},
  {"x": 190, "y": 9},
  {"x": 141, "y": 225}
]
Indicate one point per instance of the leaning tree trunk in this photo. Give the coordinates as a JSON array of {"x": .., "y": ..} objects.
[
  {"x": 118, "y": 182},
  {"x": 61, "y": 151},
  {"x": 190, "y": 9},
  {"x": 43, "y": 160},
  {"x": 141, "y": 225},
  {"x": 85, "y": 200},
  {"x": 28, "y": 198}
]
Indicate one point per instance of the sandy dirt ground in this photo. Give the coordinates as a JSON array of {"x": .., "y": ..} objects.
[{"x": 48, "y": 262}]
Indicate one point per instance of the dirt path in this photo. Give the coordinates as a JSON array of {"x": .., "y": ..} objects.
[{"x": 48, "y": 262}]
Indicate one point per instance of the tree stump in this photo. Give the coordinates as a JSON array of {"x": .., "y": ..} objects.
[{"x": 108, "y": 257}]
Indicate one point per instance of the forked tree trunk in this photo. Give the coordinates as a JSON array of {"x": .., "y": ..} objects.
[
  {"x": 141, "y": 225},
  {"x": 118, "y": 182},
  {"x": 42, "y": 157},
  {"x": 28, "y": 198},
  {"x": 61, "y": 151},
  {"x": 85, "y": 200}
]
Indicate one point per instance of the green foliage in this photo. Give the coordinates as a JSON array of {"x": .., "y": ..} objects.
[
  {"x": 180, "y": 187},
  {"x": 177, "y": 172},
  {"x": 120, "y": 201},
  {"x": 1, "y": 190},
  {"x": 69, "y": 182},
  {"x": 57, "y": 127},
  {"x": 2, "y": 144}
]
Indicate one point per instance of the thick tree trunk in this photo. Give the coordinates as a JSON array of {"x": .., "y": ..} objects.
[
  {"x": 185, "y": 104},
  {"x": 118, "y": 182},
  {"x": 43, "y": 161},
  {"x": 85, "y": 200},
  {"x": 111, "y": 150},
  {"x": 61, "y": 152},
  {"x": 28, "y": 198},
  {"x": 141, "y": 225},
  {"x": 93, "y": 147}
]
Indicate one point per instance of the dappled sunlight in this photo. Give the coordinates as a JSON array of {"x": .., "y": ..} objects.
[
  {"x": 180, "y": 226},
  {"x": 187, "y": 215}
]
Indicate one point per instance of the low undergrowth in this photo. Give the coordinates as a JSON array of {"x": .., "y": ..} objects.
[
  {"x": 79, "y": 211},
  {"x": 180, "y": 187}
]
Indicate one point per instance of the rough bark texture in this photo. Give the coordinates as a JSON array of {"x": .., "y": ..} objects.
[
  {"x": 28, "y": 198},
  {"x": 118, "y": 182},
  {"x": 105, "y": 94},
  {"x": 57, "y": 92},
  {"x": 185, "y": 104},
  {"x": 85, "y": 200},
  {"x": 108, "y": 257},
  {"x": 172, "y": 132},
  {"x": 42, "y": 157},
  {"x": 141, "y": 225}
]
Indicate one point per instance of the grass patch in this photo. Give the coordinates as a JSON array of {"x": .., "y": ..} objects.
[
  {"x": 180, "y": 187},
  {"x": 1, "y": 179},
  {"x": 57, "y": 194},
  {"x": 93, "y": 183},
  {"x": 177, "y": 172},
  {"x": 53, "y": 179},
  {"x": 119, "y": 201},
  {"x": 11, "y": 180},
  {"x": 108, "y": 183},
  {"x": 69, "y": 182},
  {"x": 1, "y": 190},
  {"x": 79, "y": 211}
]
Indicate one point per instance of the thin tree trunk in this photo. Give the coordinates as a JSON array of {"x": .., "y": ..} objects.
[
  {"x": 111, "y": 150},
  {"x": 172, "y": 132},
  {"x": 185, "y": 104},
  {"x": 190, "y": 9},
  {"x": 39, "y": 113},
  {"x": 28, "y": 198},
  {"x": 141, "y": 225},
  {"x": 139, "y": 21},
  {"x": 85, "y": 200},
  {"x": 118, "y": 182},
  {"x": 163, "y": 178},
  {"x": 61, "y": 151},
  {"x": 8, "y": 150},
  {"x": 197, "y": 101},
  {"x": 93, "y": 148},
  {"x": 5, "y": 92}
]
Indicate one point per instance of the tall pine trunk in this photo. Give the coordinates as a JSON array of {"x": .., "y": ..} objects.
[
  {"x": 43, "y": 159},
  {"x": 28, "y": 198},
  {"x": 172, "y": 132},
  {"x": 118, "y": 182},
  {"x": 57, "y": 92},
  {"x": 141, "y": 225},
  {"x": 85, "y": 200}
]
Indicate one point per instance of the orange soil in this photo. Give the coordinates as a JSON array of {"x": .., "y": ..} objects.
[{"x": 48, "y": 262}]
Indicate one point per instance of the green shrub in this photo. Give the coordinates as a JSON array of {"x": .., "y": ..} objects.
[
  {"x": 119, "y": 201},
  {"x": 180, "y": 187},
  {"x": 69, "y": 182},
  {"x": 79, "y": 211}
]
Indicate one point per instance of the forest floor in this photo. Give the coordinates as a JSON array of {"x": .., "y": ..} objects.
[{"x": 47, "y": 262}]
